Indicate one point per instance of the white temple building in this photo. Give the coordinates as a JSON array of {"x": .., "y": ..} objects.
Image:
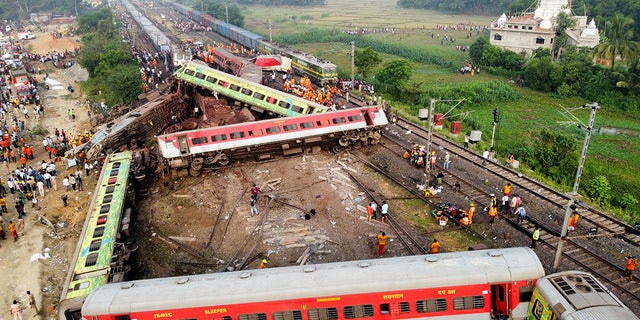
[{"x": 530, "y": 31}]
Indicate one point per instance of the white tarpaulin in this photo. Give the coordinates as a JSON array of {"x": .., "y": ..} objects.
[{"x": 54, "y": 84}]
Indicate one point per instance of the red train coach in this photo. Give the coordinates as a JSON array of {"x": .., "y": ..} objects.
[
  {"x": 195, "y": 148},
  {"x": 460, "y": 285}
]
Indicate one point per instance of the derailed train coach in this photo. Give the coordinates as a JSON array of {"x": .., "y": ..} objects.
[{"x": 217, "y": 146}]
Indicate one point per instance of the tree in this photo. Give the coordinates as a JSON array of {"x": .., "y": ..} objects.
[
  {"x": 366, "y": 60},
  {"x": 122, "y": 84},
  {"x": 476, "y": 50},
  {"x": 564, "y": 22},
  {"x": 394, "y": 74},
  {"x": 617, "y": 41},
  {"x": 542, "y": 74}
]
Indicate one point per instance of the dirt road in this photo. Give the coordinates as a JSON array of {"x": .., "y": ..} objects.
[{"x": 44, "y": 277}]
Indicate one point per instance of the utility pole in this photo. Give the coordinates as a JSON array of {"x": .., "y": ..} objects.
[
  {"x": 495, "y": 122},
  {"x": 432, "y": 108},
  {"x": 574, "y": 193},
  {"x": 270, "y": 35},
  {"x": 226, "y": 10},
  {"x": 353, "y": 62}
]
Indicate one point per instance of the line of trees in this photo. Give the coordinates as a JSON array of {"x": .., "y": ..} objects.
[
  {"x": 114, "y": 75},
  {"x": 21, "y": 9}
]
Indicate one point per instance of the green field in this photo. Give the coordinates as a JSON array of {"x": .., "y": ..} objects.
[{"x": 615, "y": 156}]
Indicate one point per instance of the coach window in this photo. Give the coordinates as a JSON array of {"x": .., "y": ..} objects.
[
  {"x": 199, "y": 140},
  {"x": 95, "y": 245},
  {"x": 211, "y": 80},
  {"x": 471, "y": 302},
  {"x": 497, "y": 37},
  {"x": 402, "y": 307},
  {"x": 255, "y": 133},
  {"x": 247, "y": 92},
  {"x": 253, "y": 316},
  {"x": 284, "y": 104},
  {"x": 81, "y": 285},
  {"x": 287, "y": 315},
  {"x": 234, "y": 87},
  {"x": 258, "y": 95},
  {"x": 306, "y": 125},
  {"x": 200, "y": 75},
  {"x": 526, "y": 293},
  {"x": 539, "y": 40},
  {"x": 432, "y": 305},
  {"x": 359, "y": 311},
  {"x": 271, "y": 100},
  {"x": 91, "y": 260},
  {"x": 236, "y": 135},
  {"x": 219, "y": 137},
  {"x": 189, "y": 72},
  {"x": 123, "y": 317},
  {"x": 355, "y": 118},
  {"x": 98, "y": 232},
  {"x": 273, "y": 130},
  {"x": 223, "y": 83},
  {"x": 338, "y": 120},
  {"x": 322, "y": 123},
  {"x": 297, "y": 109},
  {"x": 290, "y": 127},
  {"x": 323, "y": 314}
]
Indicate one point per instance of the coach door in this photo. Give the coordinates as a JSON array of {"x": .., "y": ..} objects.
[
  {"x": 184, "y": 146},
  {"x": 500, "y": 300}
]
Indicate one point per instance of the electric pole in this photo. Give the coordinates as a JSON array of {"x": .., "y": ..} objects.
[
  {"x": 576, "y": 183},
  {"x": 353, "y": 62}
]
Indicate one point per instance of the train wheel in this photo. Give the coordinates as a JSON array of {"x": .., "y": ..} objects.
[
  {"x": 357, "y": 145},
  {"x": 196, "y": 167},
  {"x": 364, "y": 136},
  {"x": 344, "y": 141},
  {"x": 338, "y": 148},
  {"x": 224, "y": 160}
]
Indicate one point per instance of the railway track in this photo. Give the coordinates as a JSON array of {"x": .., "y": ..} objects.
[
  {"x": 603, "y": 221},
  {"x": 577, "y": 251},
  {"x": 405, "y": 237}
]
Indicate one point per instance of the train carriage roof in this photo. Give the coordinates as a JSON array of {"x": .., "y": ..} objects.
[
  {"x": 577, "y": 295},
  {"x": 341, "y": 278}
]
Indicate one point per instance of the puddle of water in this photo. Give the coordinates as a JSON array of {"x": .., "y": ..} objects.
[{"x": 626, "y": 132}]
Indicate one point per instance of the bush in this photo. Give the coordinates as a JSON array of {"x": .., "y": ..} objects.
[
  {"x": 626, "y": 201},
  {"x": 599, "y": 190}
]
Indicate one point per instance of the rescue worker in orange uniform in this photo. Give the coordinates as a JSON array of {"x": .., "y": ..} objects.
[
  {"x": 435, "y": 246},
  {"x": 263, "y": 264},
  {"x": 472, "y": 210},
  {"x": 631, "y": 265},
  {"x": 493, "y": 212}
]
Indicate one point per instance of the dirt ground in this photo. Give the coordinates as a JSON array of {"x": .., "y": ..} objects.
[
  {"x": 44, "y": 277},
  {"x": 211, "y": 214}
]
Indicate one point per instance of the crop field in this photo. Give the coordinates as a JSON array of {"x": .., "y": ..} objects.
[{"x": 349, "y": 14}]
